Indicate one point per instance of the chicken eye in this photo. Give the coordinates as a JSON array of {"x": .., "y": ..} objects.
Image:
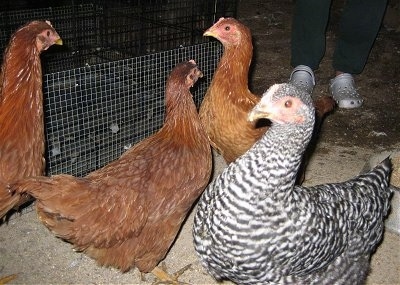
[
  {"x": 48, "y": 33},
  {"x": 227, "y": 28},
  {"x": 288, "y": 103}
]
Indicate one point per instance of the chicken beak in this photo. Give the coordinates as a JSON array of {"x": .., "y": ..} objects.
[
  {"x": 59, "y": 42},
  {"x": 209, "y": 33},
  {"x": 265, "y": 108},
  {"x": 258, "y": 112}
]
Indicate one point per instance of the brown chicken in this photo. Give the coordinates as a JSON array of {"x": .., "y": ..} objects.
[
  {"x": 128, "y": 213},
  {"x": 21, "y": 108},
  {"x": 228, "y": 100}
]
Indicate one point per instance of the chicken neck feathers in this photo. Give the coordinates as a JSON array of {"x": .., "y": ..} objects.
[
  {"x": 21, "y": 109},
  {"x": 228, "y": 99}
]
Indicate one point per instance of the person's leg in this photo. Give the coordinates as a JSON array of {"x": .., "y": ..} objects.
[
  {"x": 359, "y": 25},
  {"x": 310, "y": 18}
]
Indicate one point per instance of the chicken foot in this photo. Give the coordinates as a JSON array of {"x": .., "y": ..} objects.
[{"x": 164, "y": 278}]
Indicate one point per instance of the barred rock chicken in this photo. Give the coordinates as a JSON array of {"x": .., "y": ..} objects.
[
  {"x": 254, "y": 226},
  {"x": 228, "y": 100},
  {"x": 21, "y": 108},
  {"x": 128, "y": 213}
]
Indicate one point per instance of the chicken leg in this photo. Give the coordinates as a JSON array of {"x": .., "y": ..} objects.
[{"x": 160, "y": 272}]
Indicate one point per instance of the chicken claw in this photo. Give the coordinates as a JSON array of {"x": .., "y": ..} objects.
[{"x": 164, "y": 278}]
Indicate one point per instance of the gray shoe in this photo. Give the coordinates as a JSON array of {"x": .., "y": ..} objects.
[
  {"x": 303, "y": 77},
  {"x": 344, "y": 92}
]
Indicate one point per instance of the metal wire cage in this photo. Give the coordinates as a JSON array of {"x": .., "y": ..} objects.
[{"x": 104, "y": 88}]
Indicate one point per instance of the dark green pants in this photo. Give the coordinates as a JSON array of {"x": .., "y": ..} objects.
[{"x": 359, "y": 24}]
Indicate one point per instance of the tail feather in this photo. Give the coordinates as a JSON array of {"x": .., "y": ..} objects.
[
  {"x": 60, "y": 200},
  {"x": 376, "y": 183},
  {"x": 323, "y": 106},
  {"x": 35, "y": 186},
  {"x": 57, "y": 197},
  {"x": 380, "y": 194},
  {"x": 379, "y": 177},
  {"x": 386, "y": 166}
]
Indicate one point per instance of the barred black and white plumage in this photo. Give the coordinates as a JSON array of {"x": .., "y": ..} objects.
[{"x": 254, "y": 226}]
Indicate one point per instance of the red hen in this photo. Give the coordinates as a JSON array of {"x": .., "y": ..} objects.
[
  {"x": 228, "y": 100},
  {"x": 128, "y": 213},
  {"x": 21, "y": 108}
]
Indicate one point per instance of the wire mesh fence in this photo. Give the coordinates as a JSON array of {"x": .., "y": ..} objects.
[{"x": 94, "y": 113}]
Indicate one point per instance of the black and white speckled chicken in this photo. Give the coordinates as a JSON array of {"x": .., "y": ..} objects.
[{"x": 254, "y": 226}]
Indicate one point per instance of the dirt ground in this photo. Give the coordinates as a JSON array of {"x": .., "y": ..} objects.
[{"x": 348, "y": 139}]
